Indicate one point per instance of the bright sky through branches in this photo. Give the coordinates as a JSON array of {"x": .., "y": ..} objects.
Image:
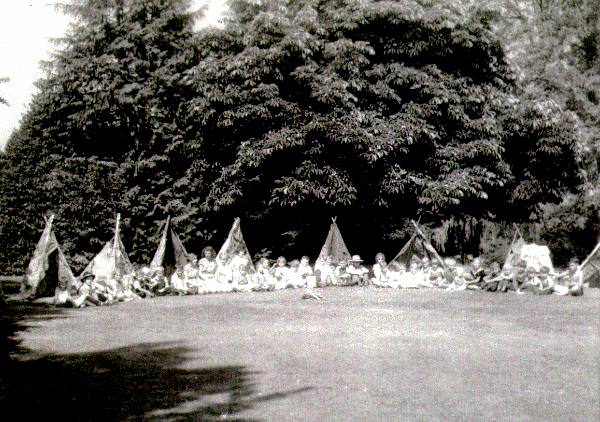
[{"x": 26, "y": 30}]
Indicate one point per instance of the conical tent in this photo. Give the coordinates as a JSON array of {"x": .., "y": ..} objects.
[
  {"x": 47, "y": 266},
  {"x": 234, "y": 244},
  {"x": 170, "y": 252},
  {"x": 417, "y": 245},
  {"x": 112, "y": 259},
  {"x": 514, "y": 250},
  {"x": 590, "y": 268},
  {"x": 334, "y": 246}
]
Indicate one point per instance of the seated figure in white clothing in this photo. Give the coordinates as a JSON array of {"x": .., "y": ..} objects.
[
  {"x": 207, "y": 270},
  {"x": 241, "y": 274},
  {"x": 263, "y": 279},
  {"x": 326, "y": 274},
  {"x": 281, "y": 273},
  {"x": 306, "y": 273},
  {"x": 413, "y": 278},
  {"x": 192, "y": 275},
  {"x": 569, "y": 282},
  {"x": 295, "y": 280},
  {"x": 383, "y": 275},
  {"x": 178, "y": 282}
]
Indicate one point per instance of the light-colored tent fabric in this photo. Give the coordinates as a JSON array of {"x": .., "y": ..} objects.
[
  {"x": 112, "y": 260},
  {"x": 536, "y": 256},
  {"x": 334, "y": 246},
  {"x": 590, "y": 268},
  {"x": 514, "y": 251},
  {"x": 233, "y": 245},
  {"x": 170, "y": 252},
  {"x": 47, "y": 266},
  {"x": 418, "y": 245}
]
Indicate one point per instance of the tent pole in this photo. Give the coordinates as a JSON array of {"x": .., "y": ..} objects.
[
  {"x": 585, "y": 261},
  {"x": 420, "y": 233}
]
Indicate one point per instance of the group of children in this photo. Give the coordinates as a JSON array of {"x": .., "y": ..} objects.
[
  {"x": 206, "y": 276},
  {"x": 449, "y": 275}
]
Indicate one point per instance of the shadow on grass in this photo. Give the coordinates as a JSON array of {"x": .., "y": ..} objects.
[{"x": 145, "y": 381}]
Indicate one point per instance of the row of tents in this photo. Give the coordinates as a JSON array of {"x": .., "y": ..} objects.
[{"x": 48, "y": 264}]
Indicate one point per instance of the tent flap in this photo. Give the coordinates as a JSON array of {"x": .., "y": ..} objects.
[
  {"x": 112, "y": 261},
  {"x": 47, "y": 265},
  {"x": 233, "y": 245},
  {"x": 334, "y": 246},
  {"x": 170, "y": 252}
]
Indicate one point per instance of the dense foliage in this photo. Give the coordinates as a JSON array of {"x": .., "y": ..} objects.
[{"x": 294, "y": 111}]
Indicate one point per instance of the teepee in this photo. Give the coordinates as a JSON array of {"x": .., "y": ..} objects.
[
  {"x": 514, "y": 250},
  {"x": 234, "y": 246},
  {"x": 590, "y": 268},
  {"x": 170, "y": 252},
  {"x": 535, "y": 256},
  {"x": 112, "y": 261},
  {"x": 47, "y": 266},
  {"x": 417, "y": 245},
  {"x": 334, "y": 246}
]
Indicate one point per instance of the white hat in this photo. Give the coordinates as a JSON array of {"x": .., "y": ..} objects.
[{"x": 356, "y": 258}]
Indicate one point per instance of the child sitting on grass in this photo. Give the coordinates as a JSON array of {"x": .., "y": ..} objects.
[
  {"x": 570, "y": 281},
  {"x": 359, "y": 275},
  {"x": 263, "y": 279},
  {"x": 281, "y": 273},
  {"x": 178, "y": 285},
  {"x": 306, "y": 273}
]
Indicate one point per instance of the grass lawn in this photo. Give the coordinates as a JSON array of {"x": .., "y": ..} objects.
[{"x": 361, "y": 354}]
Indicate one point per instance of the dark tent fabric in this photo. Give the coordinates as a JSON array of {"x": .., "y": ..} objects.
[
  {"x": 417, "y": 245},
  {"x": 47, "y": 266},
  {"x": 334, "y": 246},
  {"x": 170, "y": 252}
]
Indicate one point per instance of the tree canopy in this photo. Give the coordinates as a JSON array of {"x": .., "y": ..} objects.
[{"x": 292, "y": 112}]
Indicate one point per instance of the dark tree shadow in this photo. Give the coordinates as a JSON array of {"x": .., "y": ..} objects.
[{"x": 144, "y": 381}]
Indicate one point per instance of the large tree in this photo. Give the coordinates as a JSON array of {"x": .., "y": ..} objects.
[
  {"x": 100, "y": 136},
  {"x": 371, "y": 110},
  {"x": 294, "y": 111}
]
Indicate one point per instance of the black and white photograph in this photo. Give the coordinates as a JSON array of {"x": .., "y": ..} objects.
[{"x": 300, "y": 210}]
